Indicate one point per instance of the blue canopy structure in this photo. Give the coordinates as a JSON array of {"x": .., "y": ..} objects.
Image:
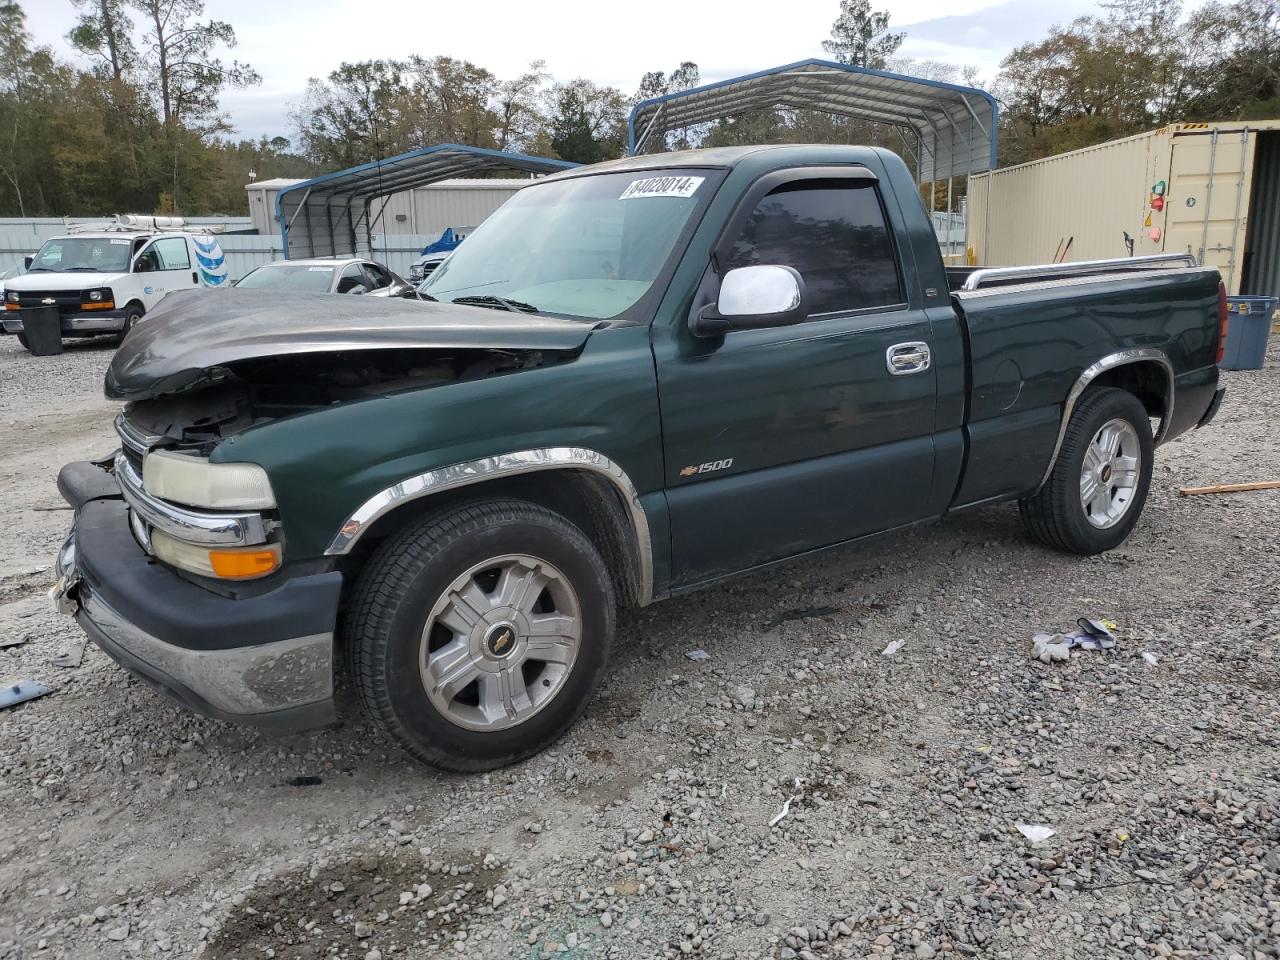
[
  {"x": 334, "y": 215},
  {"x": 950, "y": 128}
]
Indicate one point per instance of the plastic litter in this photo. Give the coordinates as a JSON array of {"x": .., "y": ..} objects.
[
  {"x": 71, "y": 657},
  {"x": 1150, "y": 657},
  {"x": 1089, "y": 635},
  {"x": 21, "y": 691},
  {"x": 697, "y": 656},
  {"x": 893, "y": 647},
  {"x": 786, "y": 806},
  {"x": 1035, "y": 832}
]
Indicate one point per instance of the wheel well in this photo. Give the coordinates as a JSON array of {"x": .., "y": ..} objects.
[
  {"x": 588, "y": 501},
  {"x": 136, "y": 303},
  {"x": 1146, "y": 380}
]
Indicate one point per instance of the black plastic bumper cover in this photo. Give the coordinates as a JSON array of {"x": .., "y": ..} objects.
[{"x": 1214, "y": 404}]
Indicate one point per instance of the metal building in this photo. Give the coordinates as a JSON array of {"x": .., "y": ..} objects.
[
  {"x": 337, "y": 214},
  {"x": 458, "y": 203},
  {"x": 948, "y": 129},
  {"x": 1209, "y": 189}
]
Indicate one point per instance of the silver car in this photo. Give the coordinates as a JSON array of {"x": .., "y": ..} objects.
[{"x": 353, "y": 275}]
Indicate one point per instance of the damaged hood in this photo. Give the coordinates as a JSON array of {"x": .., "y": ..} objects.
[{"x": 192, "y": 335}]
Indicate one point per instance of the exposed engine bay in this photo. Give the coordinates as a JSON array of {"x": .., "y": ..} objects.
[{"x": 252, "y": 391}]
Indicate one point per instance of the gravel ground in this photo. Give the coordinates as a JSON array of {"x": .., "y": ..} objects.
[{"x": 130, "y": 828}]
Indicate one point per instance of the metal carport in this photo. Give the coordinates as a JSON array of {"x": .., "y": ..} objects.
[
  {"x": 951, "y": 130},
  {"x": 336, "y": 214}
]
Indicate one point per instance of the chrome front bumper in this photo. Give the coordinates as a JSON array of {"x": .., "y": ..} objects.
[{"x": 284, "y": 684}]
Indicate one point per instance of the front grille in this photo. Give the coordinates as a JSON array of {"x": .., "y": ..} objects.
[{"x": 67, "y": 301}]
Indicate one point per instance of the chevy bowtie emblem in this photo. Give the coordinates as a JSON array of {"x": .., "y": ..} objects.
[
  {"x": 501, "y": 641},
  {"x": 48, "y": 301}
]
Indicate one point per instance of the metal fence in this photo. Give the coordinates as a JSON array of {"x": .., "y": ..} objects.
[{"x": 243, "y": 251}]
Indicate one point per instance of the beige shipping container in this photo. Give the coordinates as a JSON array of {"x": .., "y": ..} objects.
[{"x": 1220, "y": 203}]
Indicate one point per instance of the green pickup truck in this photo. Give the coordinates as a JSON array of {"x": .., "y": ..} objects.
[{"x": 635, "y": 379}]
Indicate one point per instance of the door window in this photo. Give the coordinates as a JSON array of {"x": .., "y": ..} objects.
[
  {"x": 835, "y": 234},
  {"x": 172, "y": 253},
  {"x": 377, "y": 275},
  {"x": 351, "y": 278}
]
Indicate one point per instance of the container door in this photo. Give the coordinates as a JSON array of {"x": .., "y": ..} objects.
[{"x": 1208, "y": 196}]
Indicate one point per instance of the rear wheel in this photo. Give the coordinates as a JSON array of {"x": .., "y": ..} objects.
[
  {"x": 1099, "y": 484},
  {"x": 476, "y": 637}
]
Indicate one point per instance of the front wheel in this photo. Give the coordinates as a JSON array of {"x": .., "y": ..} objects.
[
  {"x": 476, "y": 637},
  {"x": 1098, "y": 486},
  {"x": 132, "y": 314}
]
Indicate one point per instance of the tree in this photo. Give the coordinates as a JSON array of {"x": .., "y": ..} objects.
[
  {"x": 587, "y": 121},
  {"x": 655, "y": 84},
  {"x": 180, "y": 55},
  {"x": 344, "y": 119},
  {"x": 861, "y": 37},
  {"x": 518, "y": 111},
  {"x": 104, "y": 30}
]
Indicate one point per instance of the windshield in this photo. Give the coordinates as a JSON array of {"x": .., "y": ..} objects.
[
  {"x": 295, "y": 277},
  {"x": 87, "y": 254},
  {"x": 586, "y": 247}
]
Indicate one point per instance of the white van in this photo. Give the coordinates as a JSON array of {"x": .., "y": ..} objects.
[{"x": 104, "y": 281}]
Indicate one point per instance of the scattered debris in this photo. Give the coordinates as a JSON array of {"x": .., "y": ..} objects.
[
  {"x": 697, "y": 656},
  {"x": 13, "y": 694},
  {"x": 1230, "y": 488},
  {"x": 786, "y": 805},
  {"x": 1035, "y": 832},
  {"x": 14, "y": 641},
  {"x": 305, "y": 781},
  {"x": 893, "y": 647},
  {"x": 1089, "y": 635},
  {"x": 72, "y": 657},
  {"x": 1150, "y": 657}
]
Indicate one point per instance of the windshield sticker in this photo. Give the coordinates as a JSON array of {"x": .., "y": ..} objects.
[
  {"x": 119, "y": 243},
  {"x": 662, "y": 187},
  {"x": 319, "y": 269}
]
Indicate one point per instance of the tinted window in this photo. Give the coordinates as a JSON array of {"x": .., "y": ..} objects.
[
  {"x": 172, "y": 252},
  {"x": 834, "y": 233}
]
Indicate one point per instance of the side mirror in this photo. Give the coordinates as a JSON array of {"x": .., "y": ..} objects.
[
  {"x": 752, "y": 298},
  {"x": 410, "y": 293},
  {"x": 27, "y": 261},
  {"x": 142, "y": 266}
]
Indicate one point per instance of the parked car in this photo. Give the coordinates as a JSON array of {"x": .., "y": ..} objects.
[
  {"x": 425, "y": 265},
  {"x": 636, "y": 379},
  {"x": 356, "y": 276},
  {"x": 105, "y": 281}
]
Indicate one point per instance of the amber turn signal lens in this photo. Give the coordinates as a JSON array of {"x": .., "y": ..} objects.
[
  {"x": 244, "y": 564},
  {"x": 98, "y": 305}
]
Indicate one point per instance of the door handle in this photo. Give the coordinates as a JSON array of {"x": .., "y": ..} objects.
[{"x": 904, "y": 358}]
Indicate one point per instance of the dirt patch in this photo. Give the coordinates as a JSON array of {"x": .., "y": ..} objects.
[{"x": 393, "y": 902}]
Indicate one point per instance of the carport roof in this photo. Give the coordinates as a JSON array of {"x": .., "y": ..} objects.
[
  {"x": 953, "y": 127},
  {"x": 332, "y": 214}
]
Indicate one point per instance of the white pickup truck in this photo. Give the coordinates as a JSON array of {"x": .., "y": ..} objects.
[{"x": 105, "y": 281}]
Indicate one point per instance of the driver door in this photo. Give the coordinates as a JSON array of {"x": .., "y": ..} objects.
[
  {"x": 787, "y": 439},
  {"x": 166, "y": 266}
]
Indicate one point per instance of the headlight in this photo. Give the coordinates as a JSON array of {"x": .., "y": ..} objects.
[
  {"x": 223, "y": 563},
  {"x": 11, "y": 296},
  {"x": 196, "y": 482}
]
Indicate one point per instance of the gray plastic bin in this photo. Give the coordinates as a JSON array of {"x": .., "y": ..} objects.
[{"x": 1248, "y": 326}]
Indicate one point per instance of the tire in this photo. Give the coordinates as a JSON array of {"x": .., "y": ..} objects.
[
  {"x": 22, "y": 339},
  {"x": 133, "y": 313},
  {"x": 1057, "y": 514},
  {"x": 475, "y": 717}
]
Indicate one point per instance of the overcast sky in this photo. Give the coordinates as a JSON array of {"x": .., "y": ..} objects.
[{"x": 611, "y": 43}]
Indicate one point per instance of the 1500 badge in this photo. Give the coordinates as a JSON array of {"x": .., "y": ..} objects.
[{"x": 710, "y": 467}]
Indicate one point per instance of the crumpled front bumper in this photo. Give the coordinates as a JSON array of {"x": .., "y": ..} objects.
[{"x": 265, "y": 659}]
